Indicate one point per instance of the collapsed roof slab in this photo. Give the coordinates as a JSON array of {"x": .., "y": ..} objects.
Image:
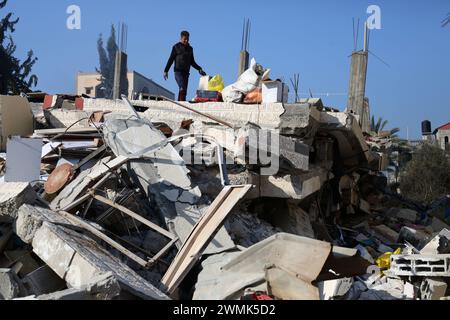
[
  {"x": 162, "y": 175},
  {"x": 226, "y": 276},
  {"x": 288, "y": 118}
]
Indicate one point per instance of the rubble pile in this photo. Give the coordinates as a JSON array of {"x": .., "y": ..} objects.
[{"x": 159, "y": 200}]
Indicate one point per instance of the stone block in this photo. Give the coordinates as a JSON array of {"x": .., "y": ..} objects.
[
  {"x": 433, "y": 289},
  {"x": 12, "y": 196}
]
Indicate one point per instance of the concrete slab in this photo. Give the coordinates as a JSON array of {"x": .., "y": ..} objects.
[
  {"x": 78, "y": 259},
  {"x": 12, "y": 196},
  {"x": 30, "y": 219},
  {"x": 291, "y": 119},
  {"x": 61, "y": 118},
  {"x": 433, "y": 289},
  {"x": 226, "y": 276}
]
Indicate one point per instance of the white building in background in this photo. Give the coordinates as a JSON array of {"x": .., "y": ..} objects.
[
  {"x": 88, "y": 83},
  {"x": 443, "y": 136}
]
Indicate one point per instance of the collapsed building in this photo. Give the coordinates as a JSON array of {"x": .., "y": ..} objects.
[
  {"x": 116, "y": 199},
  {"x": 156, "y": 201}
]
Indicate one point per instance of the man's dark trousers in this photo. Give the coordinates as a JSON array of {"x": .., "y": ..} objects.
[{"x": 182, "y": 79}]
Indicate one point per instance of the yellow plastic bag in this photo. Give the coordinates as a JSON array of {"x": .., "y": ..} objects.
[
  {"x": 384, "y": 262},
  {"x": 216, "y": 83}
]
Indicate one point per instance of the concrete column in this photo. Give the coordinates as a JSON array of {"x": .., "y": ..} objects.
[
  {"x": 120, "y": 75},
  {"x": 357, "y": 87}
]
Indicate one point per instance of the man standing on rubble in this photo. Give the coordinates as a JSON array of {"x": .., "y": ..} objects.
[{"x": 183, "y": 56}]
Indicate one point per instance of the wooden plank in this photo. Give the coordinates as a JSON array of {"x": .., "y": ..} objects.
[
  {"x": 203, "y": 232},
  {"x": 135, "y": 216},
  {"x": 49, "y": 132},
  {"x": 104, "y": 168},
  {"x": 86, "y": 226},
  {"x": 87, "y": 195},
  {"x": 162, "y": 252},
  {"x": 89, "y": 158}
]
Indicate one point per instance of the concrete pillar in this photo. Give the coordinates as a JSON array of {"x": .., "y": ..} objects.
[
  {"x": 357, "y": 87},
  {"x": 120, "y": 75}
]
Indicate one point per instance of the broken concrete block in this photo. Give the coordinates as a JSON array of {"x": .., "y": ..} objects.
[
  {"x": 78, "y": 259},
  {"x": 421, "y": 265},
  {"x": 9, "y": 285},
  {"x": 409, "y": 291},
  {"x": 417, "y": 238},
  {"x": 297, "y": 187},
  {"x": 30, "y": 219},
  {"x": 438, "y": 245},
  {"x": 432, "y": 289},
  {"x": 332, "y": 289},
  {"x": 12, "y": 197},
  {"x": 61, "y": 118},
  {"x": 291, "y": 152}
]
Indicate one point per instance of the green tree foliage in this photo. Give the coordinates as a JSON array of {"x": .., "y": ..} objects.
[
  {"x": 15, "y": 76},
  {"x": 107, "y": 59},
  {"x": 427, "y": 176},
  {"x": 379, "y": 126}
]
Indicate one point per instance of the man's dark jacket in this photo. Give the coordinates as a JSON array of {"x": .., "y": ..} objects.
[{"x": 183, "y": 55}]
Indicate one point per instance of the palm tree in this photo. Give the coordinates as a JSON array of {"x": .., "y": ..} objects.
[{"x": 378, "y": 127}]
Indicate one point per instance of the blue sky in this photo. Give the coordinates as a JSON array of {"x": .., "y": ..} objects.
[{"x": 313, "y": 38}]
